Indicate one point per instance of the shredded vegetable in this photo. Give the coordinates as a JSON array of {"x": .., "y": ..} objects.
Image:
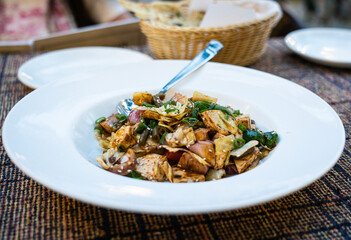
[{"x": 183, "y": 140}]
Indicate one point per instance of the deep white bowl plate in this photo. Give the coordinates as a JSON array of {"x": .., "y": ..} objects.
[
  {"x": 326, "y": 46},
  {"x": 61, "y": 64},
  {"x": 49, "y": 136}
]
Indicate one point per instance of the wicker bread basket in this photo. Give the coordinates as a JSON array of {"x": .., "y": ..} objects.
[{"x": 243, "y": 44}]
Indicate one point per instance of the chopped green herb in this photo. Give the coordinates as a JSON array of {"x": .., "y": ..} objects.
[
  {"x": 149, "y": 105},
  {"x": 153, "y": 123},
  {"x": 194, "y": 113},
  {"x": 237, "y": 113},
  {"x": 121, "y": 117},
  {"x": 135, "y": 176},
  {"x": 224, "y": 109},
  {"x": 144, "y": 136},
  {"x": 168, "y": 110},
  {"x": 121, "y": 148},
  {"x": 212, "y": 106},
  {"x": 242, "y": 127},
  {"x": 170, "y": 103},
  {"x": 141, "y": 127},
  {"x": 163, "y": 137},
  {"x": 187, "y": 123},
  {"x": 203, "y": 106},
  {"x": 99, "y": 120},
  {"x": 271, "y": 139},
  {"x": 191, "y": 121},
  {"x": 190, "y": 104},
  {"x": 249, "y": 135},
  {"x": 239, "y": 142},
  {"x": 99, "y": 128}
]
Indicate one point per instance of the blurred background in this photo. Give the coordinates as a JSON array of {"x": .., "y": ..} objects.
[
  {"x": 319, "y": 13},
  {"x": 306, "y": 13},
  {"x": 23, "y": 20}
]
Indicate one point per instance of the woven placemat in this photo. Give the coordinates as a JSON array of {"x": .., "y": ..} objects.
[{"x": 322, "y": 210}]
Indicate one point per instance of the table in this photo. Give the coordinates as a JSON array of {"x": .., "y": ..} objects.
[{"x": 322, "y": 210}]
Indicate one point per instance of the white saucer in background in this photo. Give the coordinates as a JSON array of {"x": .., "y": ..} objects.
[
  {"x": 327, "y": 46},
  {"x": 60, "y": 64}
]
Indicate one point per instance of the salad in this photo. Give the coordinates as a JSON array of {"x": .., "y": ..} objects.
[{"x": 182, "y": 140}]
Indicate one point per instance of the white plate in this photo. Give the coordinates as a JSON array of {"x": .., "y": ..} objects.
[
  {"x": 327, "y": 46},
  {"x": 49, "y": 136},
  {"x": 58, "y": 65}
]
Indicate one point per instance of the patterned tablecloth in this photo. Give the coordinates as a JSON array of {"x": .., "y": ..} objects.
[{"x": 322, "y": 210}]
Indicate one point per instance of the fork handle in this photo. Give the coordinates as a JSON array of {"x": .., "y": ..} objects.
[{"x": 203, "y": 57}]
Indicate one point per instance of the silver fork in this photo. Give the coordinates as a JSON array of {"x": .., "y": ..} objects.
[{"x": 126, "y": 105}]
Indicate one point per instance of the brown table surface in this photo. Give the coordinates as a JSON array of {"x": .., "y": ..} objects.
[{"x": 322, "y": 210}]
